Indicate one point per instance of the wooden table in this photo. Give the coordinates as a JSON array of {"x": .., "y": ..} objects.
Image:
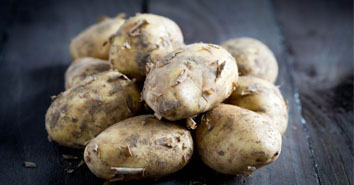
[{"x": 312, "y": 40}]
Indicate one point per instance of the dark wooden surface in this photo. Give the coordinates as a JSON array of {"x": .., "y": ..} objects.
[{"x": 312, "y": 40}]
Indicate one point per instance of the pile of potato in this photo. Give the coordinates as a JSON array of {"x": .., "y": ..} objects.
[{"x": 141, "y": 102}]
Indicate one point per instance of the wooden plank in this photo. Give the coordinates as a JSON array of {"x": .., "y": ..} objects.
[
  {"x": 319, "y": 37},
  {"x": 212, "y": 21},
  {"x": 33, "y": 62}
]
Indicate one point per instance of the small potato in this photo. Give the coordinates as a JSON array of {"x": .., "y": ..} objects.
[
  {"x": 262, "y": 97},
  {"x": 139, "y": 148},
  {"x": 142, "y": 39},
  {"x": 80, "y": 113},
  {"x": 94, "y": 41},
  {"x": 233, "y": 140},
  {"x": 82, "y": 68},
  {"x": 190, "y": 80},
  {"x": 253, "y": 58}
]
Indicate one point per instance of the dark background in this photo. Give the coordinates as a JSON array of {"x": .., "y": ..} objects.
[{"x": 312, "y": 40}]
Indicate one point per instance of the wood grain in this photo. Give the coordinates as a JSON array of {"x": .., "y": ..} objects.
[
  {"x": 33, "y": 61},
  {"x": 319, "y": 37}
]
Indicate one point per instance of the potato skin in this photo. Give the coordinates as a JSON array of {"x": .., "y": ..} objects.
[
  {"x": 82, "y": 68},
  {"x": 253, "y": 58},
  {"x": 142, "y": 39},
  {"x": 80, "y": 113},
  {"x": 262, "y": 97},
  {"x": 158, "y": 148},
  {"x": 190, "y": 80},
  {"x": 233, "y": 140},
  {"x": 94, "y": 41}
]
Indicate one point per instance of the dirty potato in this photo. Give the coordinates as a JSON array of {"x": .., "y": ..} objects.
[
  {"x": 262, "y": 97},
  {"x": 139, "y": 148},
  {"x": 142, "y": 39},
  {"x": 253, "y": 58},
  {"x": 233, "y": 140},
  {"x": 190, "y": 80},
  {"x": 94, "y": 41},
  {"x": 80, "y": 113},
  {"x": 82, "y": 68}
]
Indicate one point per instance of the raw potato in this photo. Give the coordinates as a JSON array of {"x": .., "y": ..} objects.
[
  {"x": 94, "y": 41},
  {"x": 144, "y": 38},
  {"x": 253, "y": 58},
  {"x": 262, "y": 97},
  {"x": 80, "y": 113},
  {"x": 190, "y": 80},
  {"x": 82, "y": 68},
  {"x": 233, "y": 140},
  {"x": 139, "y": 148}
]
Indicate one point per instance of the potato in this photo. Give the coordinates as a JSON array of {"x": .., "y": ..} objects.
[
  {"x": 253, "y": 58},
  {"x": 144, "y": 38},
  {"x": 94, "y": 41},
  {"x": 139, "y": 148},
  {"x": 233, "y": 140},
  {"x": 190, "y": 80},
  {"x": 82, "y": 68},
  {"x": 80, "y": 113},
  {"x": 262, "y": 97}
]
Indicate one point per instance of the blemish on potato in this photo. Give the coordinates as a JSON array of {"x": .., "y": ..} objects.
[
  {"x": 173, "y": 55},
  {"x": 158, "y": 116},
  {"x": 165, "y": 41},
  {"x": 181, "y": 77},
  {"x": 54, "y": 119},
  {"x": 76, "y": 134},
  {"x": 213, "y": 46},
  {"x": 126, "y": 45},
  {"x": 132, "y": 140},
  {"x": 64, "y": 108},
  {"x": 135, "y": 30},
  {"x": 190, "y": 124},
  {"x": 74, "y": 119},
  {"x": 219, "y": 70},
  {"x": 206, "y": 49},
  {"x": 53, "y": 97},
  {"x": 127, "y": 171}
]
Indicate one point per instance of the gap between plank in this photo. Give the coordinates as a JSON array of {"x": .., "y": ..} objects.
[
  {"x": 296, "y": 95},
  {"x": 145, "y": 6}
]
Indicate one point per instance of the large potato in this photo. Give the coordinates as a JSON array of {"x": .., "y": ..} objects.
[
  {"x": 190, "y": 80},
  {"x": 80, "y": 113},
  {"x": 82, "y": 68},
  {"x": 142, "y": 39},
  {"x": 138, "y": 148},
  {"x": 262, "y": 97},
  {"x": 253, "y": 58},
  {"x": 233, "y": 140},
  {"x": 94, "y": 41}
]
